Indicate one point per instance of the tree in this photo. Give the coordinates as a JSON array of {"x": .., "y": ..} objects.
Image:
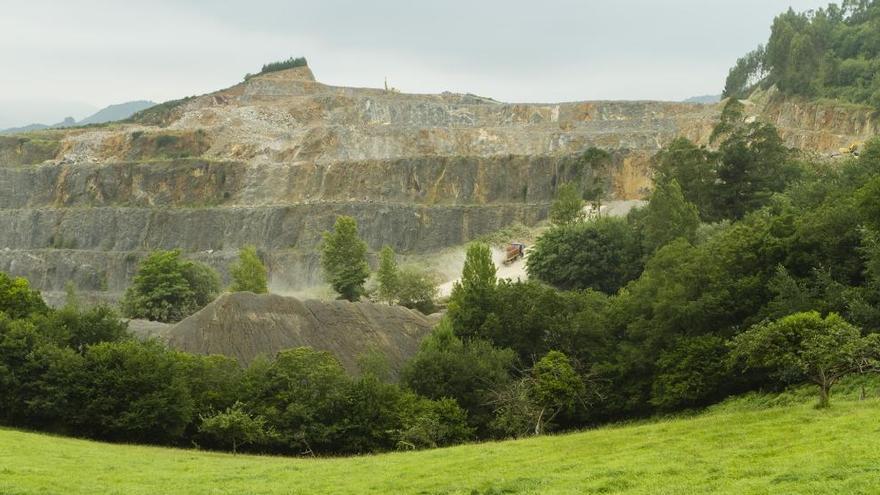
[
  {"x": 132, "y": 391},
  {"x": 805, "y": 345},
  {"x": 344, "y": 259},
  {"x": 467, "y": 371},
  {"x": 249, "y": 273},
  {"x": 568, "y": 205},
  {"x": 693, "y": 168},
  {"x": 556, "y": 388},
  {"x": 742, "y": 76},
  {"x": 387, "y": 275},
  {"x": 17, "y": 299},
  {"x": 302, "y": 396},
  {"x": 753, "y": 164},
  {"x": 691, "y": 373},
  {"x": 79, "y": 328},
  {"x": 236, "y": 427},
  {"x": 667, "y": 217},
  {"x": 471, "y": 300},
  {"x": 601, "y": 254},
  {"x": 416, "y": 289},
  {"x": 529, "y": 405},
  {"x": 167, "y": 288}
]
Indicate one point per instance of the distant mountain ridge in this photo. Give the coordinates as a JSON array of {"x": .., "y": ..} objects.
[
  {"x": 111, "y": 113},
  {"x": 705, "y": 99}
]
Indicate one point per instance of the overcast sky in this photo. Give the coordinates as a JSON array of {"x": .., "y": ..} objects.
[{"x": 70, "y": 57}]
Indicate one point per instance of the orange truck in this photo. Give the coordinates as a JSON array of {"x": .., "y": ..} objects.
[{"x": 515, "y": 251}]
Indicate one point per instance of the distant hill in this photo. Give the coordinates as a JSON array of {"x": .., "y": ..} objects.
[
  {"x": 708, "y": 99},
  {"x": 109, "y": 114},
  {"x": 113, "y": 113}
]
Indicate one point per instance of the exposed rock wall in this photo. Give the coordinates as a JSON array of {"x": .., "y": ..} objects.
[{"x": 272, "y": 161}]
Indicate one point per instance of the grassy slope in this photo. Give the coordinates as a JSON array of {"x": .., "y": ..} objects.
[{"x": 738, "y": 448}]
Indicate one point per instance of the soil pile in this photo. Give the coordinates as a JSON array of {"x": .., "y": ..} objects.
[{"x": 244, "y": 325}]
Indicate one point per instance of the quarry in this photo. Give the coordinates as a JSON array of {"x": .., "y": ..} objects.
[{"x": 273, "y": 160}]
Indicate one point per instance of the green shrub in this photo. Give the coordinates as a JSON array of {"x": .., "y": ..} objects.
[{"x": 168, "y": 288}]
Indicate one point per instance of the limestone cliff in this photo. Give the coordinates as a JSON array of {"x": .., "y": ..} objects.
[{"x": 273, "y": 160}]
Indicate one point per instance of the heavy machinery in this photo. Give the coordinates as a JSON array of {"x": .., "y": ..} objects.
[
  {"x": 515, "y": 251},
  {"x": 851, "y": 150}
]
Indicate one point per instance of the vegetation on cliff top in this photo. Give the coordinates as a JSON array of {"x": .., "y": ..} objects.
[
  {"x": 826, "y": 53},
  {"x": 290, "y": 63}
]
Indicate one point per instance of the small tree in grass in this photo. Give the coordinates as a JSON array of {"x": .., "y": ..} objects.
[
  {"x": 249, "y": 274},
  {"x": 344, "y": 259},
  {"x": 236, "y": 427},
  {"x": 805, "y": 345}
]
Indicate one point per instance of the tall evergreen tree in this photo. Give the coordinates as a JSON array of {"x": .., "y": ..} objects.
[{"x": 344, "y": 259}]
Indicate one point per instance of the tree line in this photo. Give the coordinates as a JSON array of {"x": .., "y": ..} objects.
[
  {"x": 79, "y": 372},
  {"x": 831, "y": 52}
]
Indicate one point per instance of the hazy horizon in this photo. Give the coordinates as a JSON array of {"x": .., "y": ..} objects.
[{"x": 74, "y": 57}]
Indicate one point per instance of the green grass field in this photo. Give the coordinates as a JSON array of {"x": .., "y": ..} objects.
[{"x": 749, "y": 445}]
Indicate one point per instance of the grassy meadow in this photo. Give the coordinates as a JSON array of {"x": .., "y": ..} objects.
[{"x": 752, "y": 445}]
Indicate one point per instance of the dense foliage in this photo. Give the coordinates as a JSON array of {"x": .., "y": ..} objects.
[
  {"x": 77, "y": 371},
  {"x": 832, "y": 52},
  {"x": 169, "y": 288},
  {"x": 694, "y": 317}
]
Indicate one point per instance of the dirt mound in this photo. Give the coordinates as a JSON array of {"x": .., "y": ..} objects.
[{"x": 244, "y": 325}]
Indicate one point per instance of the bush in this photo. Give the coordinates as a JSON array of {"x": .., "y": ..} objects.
[
  {"x": 416, "y": 289},
  {"x": 236, "y": 427},
  {"x": 167, "y": 288},
  {"x": 249, "y": 273}
]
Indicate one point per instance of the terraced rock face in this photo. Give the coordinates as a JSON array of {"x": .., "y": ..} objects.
[{"x": 272, "y": 161}]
